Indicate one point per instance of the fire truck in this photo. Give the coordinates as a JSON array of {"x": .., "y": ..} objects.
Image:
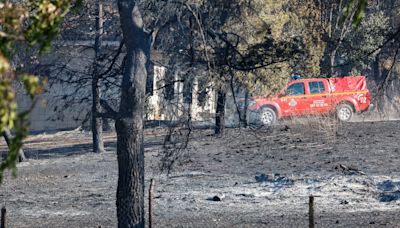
[{"x": 342, "y": 96}]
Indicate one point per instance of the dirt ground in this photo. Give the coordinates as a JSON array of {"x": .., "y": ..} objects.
[{"x": 263, "y": 178}]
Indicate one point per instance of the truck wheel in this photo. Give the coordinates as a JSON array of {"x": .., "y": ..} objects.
[
  {"x": 267, "y": 116},
  {"x": 344, "y": 112}
]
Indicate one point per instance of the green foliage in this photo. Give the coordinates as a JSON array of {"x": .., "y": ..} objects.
[
  {"x": 4, "y": 64},
  {"x": 31, "y": 84},
  {"x": 361, "y": 46},
  {"x": 281, "y": 35},
  {"x": 8, "y": 106},
  {"x": 359, "y": 14},
  {"x": 44, "y": 24},
  {"x": 76, "y": 6},
  {"x": 34, "y": 23},
  {"x": 21, "y": 132},
  {"x": 346, "y": 33}
]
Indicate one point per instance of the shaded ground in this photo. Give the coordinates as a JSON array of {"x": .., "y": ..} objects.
[{"x": 263, "y": 177}]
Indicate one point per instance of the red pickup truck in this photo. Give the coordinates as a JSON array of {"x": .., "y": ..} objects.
[{"x": 341, "y": 96}]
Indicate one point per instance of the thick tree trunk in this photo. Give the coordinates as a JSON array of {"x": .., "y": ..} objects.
[
  {"x": 130, "y": 191},
  {"x": 129, "y": 123},
  {"x": 97, "y": 125},
  {"x": 8, "y": 137},
  {"x": 220, "y": 112}
]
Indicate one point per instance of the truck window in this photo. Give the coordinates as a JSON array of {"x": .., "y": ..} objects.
[
  {"x": 316, "y": 87},
  {"x": 295, "y": 89}
]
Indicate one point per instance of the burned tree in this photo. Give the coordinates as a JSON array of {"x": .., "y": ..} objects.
[
  {"x": 8, "y": 137},
  {"x": 97, "y": 128},
  {"x": 227, "y": 53},
  {"x": 84, "y": 67},
  {"x": 129, "y": 117}
]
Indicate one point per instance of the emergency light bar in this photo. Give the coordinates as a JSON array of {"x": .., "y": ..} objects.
[{"x": 295, "y": 76}]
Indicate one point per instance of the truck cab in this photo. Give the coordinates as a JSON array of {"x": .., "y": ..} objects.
[{"x": 305, "y": 96}]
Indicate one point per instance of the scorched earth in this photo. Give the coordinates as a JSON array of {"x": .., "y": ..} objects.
[{"x": 247, "y": 178}]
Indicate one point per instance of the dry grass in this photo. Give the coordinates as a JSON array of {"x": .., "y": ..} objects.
[{"x": 326, "y": 127}]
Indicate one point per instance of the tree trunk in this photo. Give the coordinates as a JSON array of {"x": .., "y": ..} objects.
[
  {"x": 8, "y": 137},
  {"x": 220, "y": 112},
  {"x": 376, "y": 69},
  {"x": 106, "y": 124},
  {"x": 332, "y": 59},
  {"x": 129, "y": 122},
  {"x": 97, "y": 125},
  {"x": 246, "y": 105}
]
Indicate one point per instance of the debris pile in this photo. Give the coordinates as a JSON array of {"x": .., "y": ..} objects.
[
  {"x": 276, "y": 181},
  {"x": 390, "y": 190}
]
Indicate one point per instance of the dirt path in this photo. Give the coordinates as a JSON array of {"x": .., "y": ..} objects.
[{"x": 262, "y": 177}]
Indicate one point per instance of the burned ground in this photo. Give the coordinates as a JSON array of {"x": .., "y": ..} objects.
[{"x": 247, "y": 178}]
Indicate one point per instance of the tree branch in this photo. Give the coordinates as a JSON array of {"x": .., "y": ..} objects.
[
  {"x": 110, "y": 67},
  {"x": 110, "y": 112}
]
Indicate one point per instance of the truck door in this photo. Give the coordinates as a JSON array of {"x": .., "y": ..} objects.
[
  {"x": 293, "y": 100},
  {"x": 319, "y": 98}
]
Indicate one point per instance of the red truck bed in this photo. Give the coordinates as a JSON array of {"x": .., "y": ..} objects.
[{"x": 350, "y": 83}]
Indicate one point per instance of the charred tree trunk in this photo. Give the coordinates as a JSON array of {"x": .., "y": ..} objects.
[
  {"x": 8, "y": 137},
  {"x": 377, "y": 69},
  {"x": 106, "y": 124},
  {"x": 220, "y": 111},
  {"x": 97, "y": 125},
  {"x": 327, "y": 66},
  {"x": 129, "y": 122},
  {"x": 332, "y": 60},
  {"x": 246, "y": 105}
]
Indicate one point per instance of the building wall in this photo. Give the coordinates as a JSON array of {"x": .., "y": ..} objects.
[{"x": 46, "y": 117}]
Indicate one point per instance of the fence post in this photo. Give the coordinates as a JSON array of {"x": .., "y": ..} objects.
[
  {"x": 151, "y": 202},
  {"x": 3, "y": 217},
  {"x": 311, "y": 212}
]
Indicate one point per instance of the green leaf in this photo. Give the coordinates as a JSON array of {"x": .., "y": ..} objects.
[
  {"x": 4, "y": 64},
  {"x": 77, "y": 6},
  {"x": 360, "y": 12},
  {"x": 360, "y": 6},
  {"x": 31, "y": 84},
  {"x": 35, "y": 23}
]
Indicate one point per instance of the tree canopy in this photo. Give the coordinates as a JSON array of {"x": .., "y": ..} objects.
[{"x": 31, "y": 25}]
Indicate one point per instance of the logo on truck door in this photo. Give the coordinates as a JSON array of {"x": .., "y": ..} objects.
[{"x": 292, "y": 103}]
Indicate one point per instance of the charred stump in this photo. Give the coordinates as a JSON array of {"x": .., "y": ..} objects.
[
  {"x": 220, "y": 112},
  {"x": 8, "y": 137}
]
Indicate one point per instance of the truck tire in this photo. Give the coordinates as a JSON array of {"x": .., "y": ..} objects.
[
  {"x": 344, "y": 112},
  {"x": 267, "y": 116}
]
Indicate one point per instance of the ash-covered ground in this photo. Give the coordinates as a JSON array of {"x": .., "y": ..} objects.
[{"x": 247, "y": 178}]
